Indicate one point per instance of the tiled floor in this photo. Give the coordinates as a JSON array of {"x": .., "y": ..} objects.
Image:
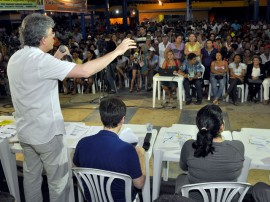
[{"x": 84, "y": 107}]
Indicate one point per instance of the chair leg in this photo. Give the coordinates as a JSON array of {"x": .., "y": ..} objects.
[{"x": 166, "y": 171}]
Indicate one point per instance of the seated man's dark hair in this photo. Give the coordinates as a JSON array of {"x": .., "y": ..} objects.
[
  {"x": 191, "y": 56},
  {"x": 112, "y": 110}
]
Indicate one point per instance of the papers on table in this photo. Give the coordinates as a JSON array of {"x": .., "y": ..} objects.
[
  {"x": 76, "y": 129},
  {"x": 261, "y": 142},
  {"x": 175, "y": 137},
  {"x": 7, "y": 131}
]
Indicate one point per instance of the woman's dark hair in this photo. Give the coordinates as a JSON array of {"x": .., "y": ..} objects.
[
  {"x": 112, "y": 110},
  {"x": 239, "y": 56},
  {"x": 209, "y": 120},
  {"x": 94, "y": 56}
]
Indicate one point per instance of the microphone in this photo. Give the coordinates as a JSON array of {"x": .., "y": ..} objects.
[
  {"x": 62, "y": 49},
  {"x": 67, "y": 57}
]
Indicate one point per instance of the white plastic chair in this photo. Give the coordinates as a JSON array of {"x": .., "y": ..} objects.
[
  {"x": 219, "y": 191},
  {"x": 99, "y": 183}
]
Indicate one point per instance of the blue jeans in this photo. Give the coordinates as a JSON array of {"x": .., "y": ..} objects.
[{"x": 217, "y": 90}]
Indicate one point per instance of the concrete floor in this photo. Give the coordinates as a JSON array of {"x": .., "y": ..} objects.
[{"x": 84, "y": 108}]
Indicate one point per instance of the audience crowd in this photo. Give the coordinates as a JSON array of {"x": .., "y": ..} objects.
[{"x": 229, "y": 54}]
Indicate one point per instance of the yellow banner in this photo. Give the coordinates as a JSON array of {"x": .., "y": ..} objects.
[
  {"x": 77, "y": 6},
  {"x": 20, "y": 5}
]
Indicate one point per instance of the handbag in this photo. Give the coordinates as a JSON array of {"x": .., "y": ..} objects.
[{"x": 218, "y": 77}]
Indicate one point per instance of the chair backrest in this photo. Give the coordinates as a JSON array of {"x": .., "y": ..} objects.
[
  {"x": 99, "y": 183},
  {"x": 219, "y": 191},
  {"x": 244, "y": 172}
]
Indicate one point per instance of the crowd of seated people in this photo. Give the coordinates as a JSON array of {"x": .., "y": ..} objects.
[{"x": 246, "y": 40}]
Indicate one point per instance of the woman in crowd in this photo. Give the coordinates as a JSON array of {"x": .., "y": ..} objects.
[
  {"x": 193, "y": 46},
  {"x": 210, "y": 158},
  {"x": 90, "y": 55},
  {"x": 219, "y": 69},
  {"x": 247, "y": 58},
  {"x": 170, "y": 63},
  {"x": 136, "y": 61},
  {"x": 177, "y": 47},
  {"x": 237, "y": 74},
  {"x": 255, "y": 77}
]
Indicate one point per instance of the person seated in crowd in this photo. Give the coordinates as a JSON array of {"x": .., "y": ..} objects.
[
  {"x": 266, "y": 83},
  {"x": 136, "y": 62},
  {"x": 193, "y": 46},
  {"x": 261, "y": 192},
  {"x": 192, "y": 71},
  {"x": 219, "y": 69},
  {"x": 106, "y": 151},
  {"x": 255, "y": 76},
  {"x": 152, "y": 67},
  {"x": 237, "y": 74},
  {"x": 90, "y": 55},
  {"x": 210, "y": 158},
  {"x": 170, "y": 63},
  {"x": 76, "y": 81},
  {"x": 121, "y": 67}
]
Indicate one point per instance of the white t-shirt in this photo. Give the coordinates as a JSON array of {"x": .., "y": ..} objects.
[
  {"x": 237, "y": 71},
  {"x": 33, "y": 78},
  {"x": 161, "y": 49},
  {"x": 256, "y": 72}
]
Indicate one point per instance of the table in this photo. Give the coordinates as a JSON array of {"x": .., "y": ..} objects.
[
  {"x": 170, "y": 150},
  {"x": 156, "y": 86},
  {"x": 259, "y": 155},
  {"x": 9, "y": 162},
  {"x": 140, "y": 131}
]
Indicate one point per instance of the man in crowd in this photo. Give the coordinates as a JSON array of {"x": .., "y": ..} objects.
[
  {"x": 33, "y": 77},
  {"x": 192, "y": 71},
  {"x": 111, "y": 153}
]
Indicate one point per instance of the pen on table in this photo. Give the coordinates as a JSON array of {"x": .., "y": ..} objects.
[{"x": 167, "y": 139}]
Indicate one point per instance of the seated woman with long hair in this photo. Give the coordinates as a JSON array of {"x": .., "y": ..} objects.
[{"x": 210, "y": 158}]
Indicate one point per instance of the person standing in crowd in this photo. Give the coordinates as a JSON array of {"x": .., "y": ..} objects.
[
  {"x": 210, "y": 158},
  {"x": 208, "y": 54},
  {"x": 161, "y": 48},
  {"x": 111, "y": 68},
  {"x": 106, "y": 144},
  {"x": 177, "y": 47},
  {"x": 192, "y": 71},
  {"x": 237, "y": 74},
  {"x": 193, "y": 46},
  {"x": 33, "y": 77},
  {"x": 219, "y": 69}
]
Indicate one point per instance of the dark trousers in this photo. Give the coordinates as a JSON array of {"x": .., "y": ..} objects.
[
  {"x": 232, "y": 90},
  {"x": 198, "y": 86},
  {"x": 254, "y": 87},
  {"x": 110, "y": 75}
]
